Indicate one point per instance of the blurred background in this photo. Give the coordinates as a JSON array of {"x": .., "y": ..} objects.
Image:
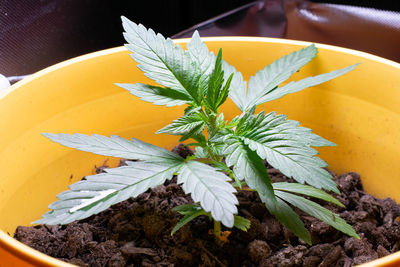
[{"x": 39, "y": 33}]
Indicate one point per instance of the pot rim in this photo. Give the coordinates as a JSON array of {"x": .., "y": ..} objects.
[
  {"x": 35, "y": 257},
  {"x": 118, "y": 49}
]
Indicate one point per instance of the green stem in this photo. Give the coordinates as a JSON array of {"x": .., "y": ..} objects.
[
  {"x": 205, "y": 160},
  {"x": 212, "y": 125},
  {"x": 212, "y": 122},
  {"x": 204, "y": 113},
  {"x": 217, "y": 229},
  {"x": 213, "y": 157}
]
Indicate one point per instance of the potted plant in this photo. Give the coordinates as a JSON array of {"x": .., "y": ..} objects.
[{"x": 107, "y": 103}]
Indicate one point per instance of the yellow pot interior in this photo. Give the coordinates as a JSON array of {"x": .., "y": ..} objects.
[{"x": 360, "y": 112}]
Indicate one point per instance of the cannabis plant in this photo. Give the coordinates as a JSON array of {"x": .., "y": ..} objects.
[{"x": 229, "y": 155}]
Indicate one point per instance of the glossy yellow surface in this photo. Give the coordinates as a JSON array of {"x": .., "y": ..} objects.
[{"x": 359, "y": 111}]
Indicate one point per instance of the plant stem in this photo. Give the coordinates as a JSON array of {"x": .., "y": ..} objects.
[
  {"x": 212, "y": 129},
  {"x": 217, "y": 229},
  {"x": 205, "y": 160}
]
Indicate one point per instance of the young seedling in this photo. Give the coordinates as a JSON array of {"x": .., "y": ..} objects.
[{"x": 229, "y": 154}]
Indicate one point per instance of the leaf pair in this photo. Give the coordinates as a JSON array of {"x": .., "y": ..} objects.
[
  {"x": 284, "y": 145},
  {"x": 188, "y": 126},
  {"x": 290, "y": 193},
  {"x": 184, "y": 74},
  {"x": 98, "y": 192},
  {"x": 263, "y": 86}
]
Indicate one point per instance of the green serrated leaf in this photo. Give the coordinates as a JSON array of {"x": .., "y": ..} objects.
[
  {"x": 200, "y": 54},
  {"x": 248, "y": 165},
  {"x": 187, "y": 218},
  {"x": 246, "y": 122},
  {"x": 238, "y": 87},
  {"x": 191, "y": 124},
  {"x": 191, "y": 211},
  {"x": 99, "y": 192},
  {"x": 241, "y": 223},
  {"x": 263, "y": 86},
  {"x": 201, "y": 152},
  {"x": 306, "y": 190},
  {"x": 284, "y": 213},
  {"x": 199, "y": 137},
  {"x": 211, "y": 189},
  {"x": 267, "y": 79},
  {"x": 318, "y": 212},
  {"x": 217, "y": 91},
  {"x": 302, "y": 134},
  {"x": 220, "y": 120},
  {"x": 217, "y": 148},
  {"x": 276, "y": 140},
  {"x": 115, "y": 146},
  {"x": 293, "y": 87},
  {"x": 157, "y": 95},
  {"x": 187, "y": 209},
  {"x": 166, "y": 63},
  {"x": 191, "y": 109},
  {"x": 279, "y": 125},
  {"x": 233, "y": 123},
  {"x": 220, "y": 166},
  {"x": 215, "y": 83},
  {"x": 224, "y": 168},
  {"x": 225, "y": 91}
]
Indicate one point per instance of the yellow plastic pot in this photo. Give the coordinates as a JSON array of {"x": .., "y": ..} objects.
[{"x": 359, "y": 111}]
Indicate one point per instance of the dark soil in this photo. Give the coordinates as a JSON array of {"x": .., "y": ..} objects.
[{"x": 136, "y": 232}]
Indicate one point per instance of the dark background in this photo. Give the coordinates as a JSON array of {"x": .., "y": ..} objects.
[{"x": 37, "y": 33}]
